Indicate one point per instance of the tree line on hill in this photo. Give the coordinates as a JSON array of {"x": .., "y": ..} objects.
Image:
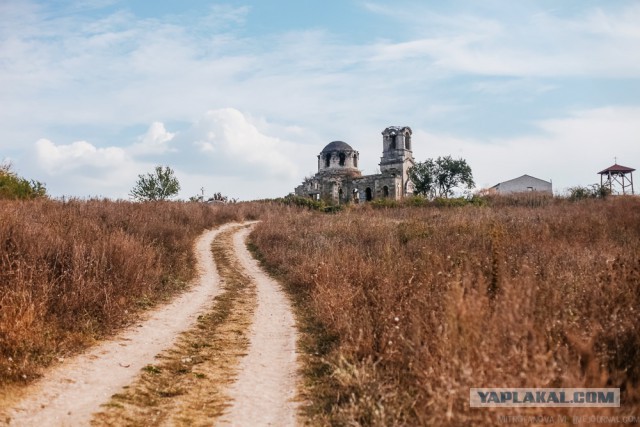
[{"x": 433, "y": 179}]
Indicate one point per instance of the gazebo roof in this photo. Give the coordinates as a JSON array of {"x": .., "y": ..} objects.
[{"x": 616, "y": 168}]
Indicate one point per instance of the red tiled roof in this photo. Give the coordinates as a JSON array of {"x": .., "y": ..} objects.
[{"x": 616, "y": 168}]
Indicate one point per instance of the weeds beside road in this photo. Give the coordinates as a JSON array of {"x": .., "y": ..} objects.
[
  {"x": 408, "y": 308},
  {"x": 71, "y": 272}
]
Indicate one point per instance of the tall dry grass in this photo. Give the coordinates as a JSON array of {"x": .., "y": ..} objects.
[
  {"x": 71, "y": 272},
  {"x": 412, "y": 307}
]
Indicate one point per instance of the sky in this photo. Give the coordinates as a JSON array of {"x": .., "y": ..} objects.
[{"x": 239, "y": 97}]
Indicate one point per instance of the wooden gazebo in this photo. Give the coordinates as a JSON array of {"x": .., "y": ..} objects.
[{"x": 617, "y": 175}]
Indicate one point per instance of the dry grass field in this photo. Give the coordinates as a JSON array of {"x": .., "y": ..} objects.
[
  {"x": 401, "y": 309},
  {"x": 72, "y": 272},
  {"x": 405, "y": 309}
]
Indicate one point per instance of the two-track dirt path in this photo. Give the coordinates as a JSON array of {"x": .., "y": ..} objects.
[{"x": 266, "y": 382}]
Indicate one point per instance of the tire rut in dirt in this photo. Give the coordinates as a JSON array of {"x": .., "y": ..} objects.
[
  {"x": 186, "y": 385},
  {"x": 265, "y": 392}
]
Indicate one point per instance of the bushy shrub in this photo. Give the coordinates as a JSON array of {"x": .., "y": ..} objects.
[
  {"x": 593, "y": 191},
  {"x": 415, "y": 201},
  {"x": 305, "y": 202},
  {"x": 529, "y": 199},
  {"x": 384, "y": 203},
  {"x": 14, "y": 187},
  {"x": 450, "y": 202}
]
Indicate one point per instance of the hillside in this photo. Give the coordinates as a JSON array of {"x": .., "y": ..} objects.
[
  {"x": 408, "y": 308},
  {"x": 400, "y": 309}
]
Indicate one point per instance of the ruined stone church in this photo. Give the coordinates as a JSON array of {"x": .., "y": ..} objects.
[{"x": 340, "y": 181}]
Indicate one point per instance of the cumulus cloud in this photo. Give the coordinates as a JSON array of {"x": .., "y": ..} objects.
[
  {"x": 154, "y": 141},
  {"x": 82, "y": 169},
  {"x": 57, "y": 159},
  {"x": 222, "y": 145},
  {"x": 231, "y": 142}
]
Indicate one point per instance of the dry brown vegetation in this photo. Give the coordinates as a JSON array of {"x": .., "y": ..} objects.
[
  {"x": 402, "y": 310},
  {"x": 405, "y": 309},
  {"x": 71, "y": 272}
]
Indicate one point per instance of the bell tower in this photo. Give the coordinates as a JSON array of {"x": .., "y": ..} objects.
[{"x": 397, "y": 154}]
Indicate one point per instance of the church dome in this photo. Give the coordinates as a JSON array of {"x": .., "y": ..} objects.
[
  {"x": 338, "y": 158},
  {"x": 336, "y": 146}
]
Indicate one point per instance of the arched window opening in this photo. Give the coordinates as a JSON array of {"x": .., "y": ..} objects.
[
  {"x": 340, "y": 195},
  {"x": 327, "y": 160},
  {"x": 409, "y": 188},
  {"x": 356, "y": 196},
  {"x": 343, "y": 157},
  {"x": 392, "y": 146},
  {"x": 407, "y": 141},
  {"x": 368, "y": 194},
  {"x": 355, "y": 160},
  {"x": 385, "y": 191}
]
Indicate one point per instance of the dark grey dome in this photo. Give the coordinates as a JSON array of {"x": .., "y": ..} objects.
[{"x": 336, "y": 146}]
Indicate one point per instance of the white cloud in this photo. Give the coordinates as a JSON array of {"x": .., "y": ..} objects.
[
  {"x": 234, "y": 144},
  {"x": 512, "y": 86},
  {"x": 58, "y": 159},
  {"x": 82, "y": 169},
  {"x": 222, "y": 145},
  {"x": 154, "y": 141},
  {"x": 595, "y": 43}
]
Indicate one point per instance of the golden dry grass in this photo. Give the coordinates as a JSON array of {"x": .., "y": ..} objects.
[
  {"x": 408, "y": 308},
  {"x": 72, "y": 272},
  {"x": 403, "y": 310}
]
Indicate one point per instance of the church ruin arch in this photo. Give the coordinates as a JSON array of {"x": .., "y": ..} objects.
[{"x": 368, "y": 194}]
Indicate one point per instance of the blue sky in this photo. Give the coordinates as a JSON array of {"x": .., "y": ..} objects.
[{"x": 240, "y": 96}]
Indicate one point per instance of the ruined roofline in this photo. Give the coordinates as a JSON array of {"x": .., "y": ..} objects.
[{"x": 391, "y": 130}]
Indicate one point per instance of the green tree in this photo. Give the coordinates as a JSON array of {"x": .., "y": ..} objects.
[
  {"x": 438, "y": 178},
  {"x": 423, "y": 174},
  {"x": 159, "y": 185},
  {"x": 14, "y": 187}
]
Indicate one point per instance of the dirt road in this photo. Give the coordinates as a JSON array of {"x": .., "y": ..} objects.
[{"x": 265, "y": 384}]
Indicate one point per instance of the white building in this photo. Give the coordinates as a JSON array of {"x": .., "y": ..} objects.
[{"x": 523, "y": 184}]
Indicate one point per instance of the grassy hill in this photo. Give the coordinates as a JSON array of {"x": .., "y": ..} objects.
[
  {"x": 402, "y": 308},
  {"x": 408, "y": 308}
]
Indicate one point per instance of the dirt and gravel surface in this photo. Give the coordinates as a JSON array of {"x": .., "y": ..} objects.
[
  {"x": 265, "y": 391},
  {"x": 252, "y": 338}
]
